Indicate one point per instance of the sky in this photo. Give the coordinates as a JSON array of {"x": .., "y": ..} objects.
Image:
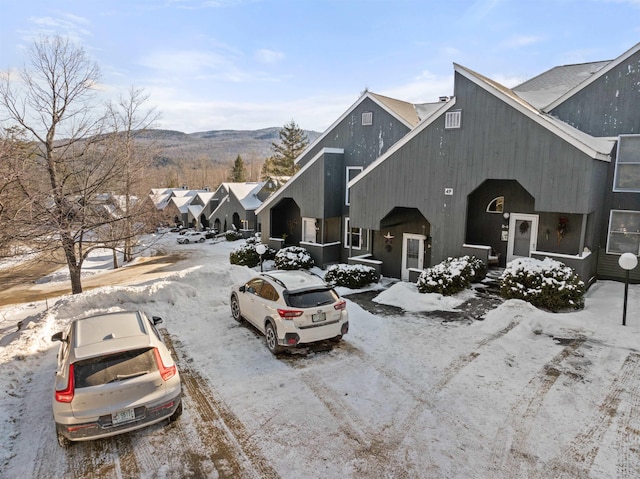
[
  {"x": 250, "y": 64},
  {"x": 522, "y": 393}
]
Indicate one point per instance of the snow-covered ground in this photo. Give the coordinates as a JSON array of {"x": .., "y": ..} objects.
[{"x": 523, "y": 393}]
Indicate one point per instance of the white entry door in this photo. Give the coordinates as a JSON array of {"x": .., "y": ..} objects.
[
  {"x": 523, "y": 234},
  {"x": 412, "y": 253}
]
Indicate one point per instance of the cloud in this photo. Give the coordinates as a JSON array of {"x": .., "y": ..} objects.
[
  {"x": 424, "y": 88},
  {"x": 69, "y": 25},
  {"x": 521, "y": 41},
  {"x": 268, "y": 56}
]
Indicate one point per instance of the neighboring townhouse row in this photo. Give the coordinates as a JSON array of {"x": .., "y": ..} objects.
[
  {"x": 550, "y": 168},
  {"x": 231, "y": 206}
]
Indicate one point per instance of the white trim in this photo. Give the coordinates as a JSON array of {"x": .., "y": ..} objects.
[
  {"x": 615, "y": 169},
  {"x": 533, "y": 238},
  {"x": 346, "y": 188},
  {"x": 592, "y": 78},
  {"x": 347, "y": 235},
  {"x": 404, "y": 272}
]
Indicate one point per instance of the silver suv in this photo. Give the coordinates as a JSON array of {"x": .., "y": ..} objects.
[
  {"x": 114, "y": 375},
  {"x": 291, "y": 308}
]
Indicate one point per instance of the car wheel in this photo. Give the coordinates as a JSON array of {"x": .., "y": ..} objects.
[
  {"x": 186, "y": 241},
  {"x": 336, "y": 339},
  {"x": 235, "y": 308},
  {"x": 63, "y": 441},
  {"x": 201, "y": 240},
  {"x": 177, "y": 413},
  {"x": 272, "y": 338}
]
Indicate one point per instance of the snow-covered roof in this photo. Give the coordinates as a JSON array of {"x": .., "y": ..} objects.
[
  {"x": 195, "y": 210},
  {"x": 246, "y": 193},
  {"x": 182, "y": 203}
]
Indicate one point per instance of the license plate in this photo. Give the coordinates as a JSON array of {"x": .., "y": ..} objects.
[
  {"x": 318, "y": 317},
  {"x": 123, "y": 416}
]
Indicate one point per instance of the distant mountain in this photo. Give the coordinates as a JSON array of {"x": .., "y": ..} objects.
[{"x": 218, "y": 146}]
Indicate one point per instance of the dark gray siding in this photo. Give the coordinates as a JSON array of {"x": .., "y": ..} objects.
[
  {"x": 495, "y": 142},
  {"x": 609, "y": 105},
  {"x": 361, "y": 144}
]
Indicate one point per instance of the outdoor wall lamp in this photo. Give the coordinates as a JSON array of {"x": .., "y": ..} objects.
[{"x": 505, "y": 215}]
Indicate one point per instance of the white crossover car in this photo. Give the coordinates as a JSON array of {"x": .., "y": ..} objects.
[{"x": 291, "y": 308}]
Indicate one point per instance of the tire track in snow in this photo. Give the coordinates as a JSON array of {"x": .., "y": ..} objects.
[
  {"x": 509, "y": 455},
  {"x": 585, "y": 446},
  {"x": 227, "y": 442}
]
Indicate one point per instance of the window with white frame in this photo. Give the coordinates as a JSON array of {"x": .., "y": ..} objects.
[
  {"x": 367, "y": 118},
  {"x": 453, "y": 119},
  {"x": 352, "y": 172},
  {"x": 352, "y": 236},
  {"x": 627, "y": 174},
  {"x": 309, "y": 230},
  {"x": 496, "y": 205},
  {"x": 624, "y": 232}
]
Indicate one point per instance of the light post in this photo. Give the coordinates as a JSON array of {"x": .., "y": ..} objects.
[
  {"x": 261, "y": 249},
  {"x": 627, "y": 262}
]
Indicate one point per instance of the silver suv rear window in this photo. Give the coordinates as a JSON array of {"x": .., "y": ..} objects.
[
  {"x": 311, "y": 299},
  {"x": 114, "y": 367}
]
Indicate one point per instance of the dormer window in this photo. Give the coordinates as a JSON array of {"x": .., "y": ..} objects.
[{"x": 367, "y": 118}]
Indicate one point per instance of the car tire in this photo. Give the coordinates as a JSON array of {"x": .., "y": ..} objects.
[
  {"x": 201, "y": 240},
  {"x": 235, "y": 308},
  {"x": 336, "y": 339},
  {"x": 186, "y": 241},
  {"x": 271, "y": 338},
  {"x": 176, "y": 414},
  {"x": 63, "y": 441}
]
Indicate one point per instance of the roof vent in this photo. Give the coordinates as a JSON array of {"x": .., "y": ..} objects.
[{"x": 453, "y": 119}]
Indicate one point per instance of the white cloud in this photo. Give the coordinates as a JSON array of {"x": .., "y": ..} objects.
[
  {"x": 268, "y": 56},
  {"x": 424, "y": 88},
  {"x": 518, "y": 41}
]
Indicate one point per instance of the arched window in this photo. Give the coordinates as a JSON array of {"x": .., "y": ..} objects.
[{"x": 496, "y": 205}]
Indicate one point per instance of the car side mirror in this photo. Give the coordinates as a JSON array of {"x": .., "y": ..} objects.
[
  {"x": 58, "y": 337},
  {"x": 156, "y": 319},
  {"x": 242, "y": 288}
]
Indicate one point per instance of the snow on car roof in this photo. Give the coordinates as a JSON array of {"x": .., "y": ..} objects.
[{"x": 297, "y": 279}]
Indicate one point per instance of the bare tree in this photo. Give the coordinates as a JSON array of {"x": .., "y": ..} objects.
[
  {"x": 70, "y": 166},
  {"x": 128, "y": 119}
]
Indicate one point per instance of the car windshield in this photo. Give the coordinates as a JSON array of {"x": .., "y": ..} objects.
[
  {"x": 310, "y": 299},
  {"x": 114, "y": 367}
]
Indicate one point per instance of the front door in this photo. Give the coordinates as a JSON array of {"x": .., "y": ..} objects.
[
  {"x": 412, "y": 253},
  {"x": 523, "y": 234}
]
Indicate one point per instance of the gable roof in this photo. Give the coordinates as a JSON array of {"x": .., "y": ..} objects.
[
  {"x": 246, "y": 194},
  {"x": 595, "y": 147},
  {"x": 547, "y": 87},
  {"x": 596, "y": 75},
  {"x": 399, "y": 109}
]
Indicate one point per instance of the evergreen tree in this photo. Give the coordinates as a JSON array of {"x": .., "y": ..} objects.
[
  {"x": 293, "y": 141},
  {"x": 238, "y": 171}
]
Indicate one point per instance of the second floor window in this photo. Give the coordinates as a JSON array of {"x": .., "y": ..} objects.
[{"x": 627, "y": 174}]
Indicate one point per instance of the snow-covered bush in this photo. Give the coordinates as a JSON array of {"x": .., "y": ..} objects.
[
  {"x": 246, "y": 255},
  {"x": 546, "y": 284},
  {"x": 232, "y": 235},
  {"x": 293, "y": 257},
  {"x": 452, "y": 275},
  {"x": 352, "y": 276}
]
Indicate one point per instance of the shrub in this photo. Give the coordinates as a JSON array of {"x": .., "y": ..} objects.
[
  {"x": 352, "y": 276},
  {"x": 293, "y": 257},
  {"x": 232, "y": 235},
  {"x": 546, "y": 284},
  {"x": 452, "y": 275},
  {"x": 246, "y": 255}
]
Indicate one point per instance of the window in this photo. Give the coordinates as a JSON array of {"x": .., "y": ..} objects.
[
  {"x": 627, "y": 174},
  {"x": 367, "y": 118},
  {"x": 309, "y": 230},
  {"x": 624, "y": 232},
  {"x": 352, "y": 236},
  {"x": 352, "y": 172},
  {"x": 268, "y": 292},
  {"x": 496, "y": 205},
  {"x": 453, "y": 119}
]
